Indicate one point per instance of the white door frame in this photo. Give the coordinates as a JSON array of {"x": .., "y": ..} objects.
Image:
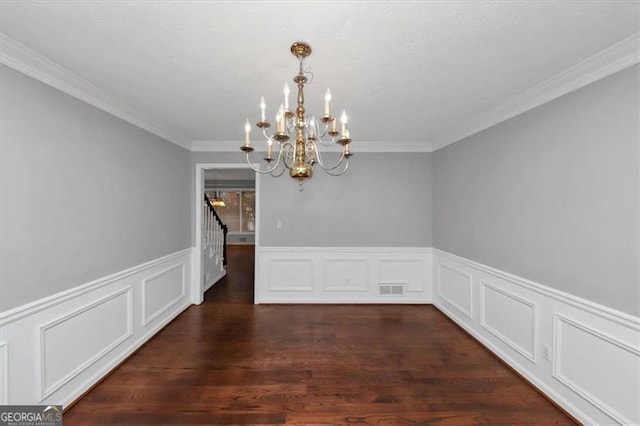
[{"x": 197, "y": 291}]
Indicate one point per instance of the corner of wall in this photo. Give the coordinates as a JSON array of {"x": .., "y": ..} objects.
[{"x": 569, "y": 348}]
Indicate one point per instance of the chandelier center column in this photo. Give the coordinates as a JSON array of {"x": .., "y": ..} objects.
[
  {"x": 301, "y": 169},
  {"x": 298, "y": 135}
]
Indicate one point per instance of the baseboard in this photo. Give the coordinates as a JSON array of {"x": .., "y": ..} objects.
[
  {"x": 571, "y": 349},
  {"x": 344, "y": 275},
  {"x": 215, "y": 279},
  {"x": 56, "y": 348}
]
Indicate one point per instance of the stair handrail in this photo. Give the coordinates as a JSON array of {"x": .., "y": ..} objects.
[{"x": 222, "y": 225}]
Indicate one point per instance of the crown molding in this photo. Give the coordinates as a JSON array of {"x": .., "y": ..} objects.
[
  {"x": 21, "y": 58},
  {"x": 608, "y": 61},
  {"x": 356, "y": 147},
  {"x": 615, "y": 58}
]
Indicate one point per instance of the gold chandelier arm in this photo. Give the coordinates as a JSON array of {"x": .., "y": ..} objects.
[{"x": 298, "y": 134}]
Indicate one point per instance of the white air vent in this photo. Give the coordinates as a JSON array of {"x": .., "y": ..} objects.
[{"x": 391, "y": 289}]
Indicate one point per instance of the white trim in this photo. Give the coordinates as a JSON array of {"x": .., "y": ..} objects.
[
  {"x": 21, "y": 58},
  {"x": 615, "y": 58},
  {"x": 467, "y": 312},
  {"x": 256, "y": 242},
  {"x": 130, "y": 348},
  {"x": 46, "y": 389},
  {"x": 606, "y": 62},
  {"x": 605, "y": 312},
  {"x": 31, "y": 308},
  {"x": 35, "y": 376},
  {"x": 4, "y": 369},
  {"x": 618, "y": 329},
  {"x": 146, "y": 320},
  {"x": 362, "y": 260},
  {"x": 406, "y": 284},
  {"x": 197, "y": 286},
  {"x": 533, "y": 378},
  {"x": 274, "y": 286},
  {"x": 214, "y": 280},
  {"x": 357, "y": 250},
  {"x": 530, "y": 355},
  {"x": 356, "y": 146},
  {"x": 558, "y": 375},
  {"x": 310, "y": 281}
]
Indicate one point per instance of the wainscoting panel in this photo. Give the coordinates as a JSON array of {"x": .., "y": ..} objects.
[
  {"x": 112, "y": 315},
  {"x": 409, "y": 272},
  {"x": 454, "y": 287},
  {"x": 519, "y": 332},
  {"x": 291, "y": 275},
  {"x": 4, "y": 374},
  {"x": 607, "y": 389},
  {"x": 60, "y": 346},
  {"x": 161, "y": 291},
  {"x": 584, "y": 356},
  {"x": 346, "y": 274},
  {"x": 343, "y": 275}
]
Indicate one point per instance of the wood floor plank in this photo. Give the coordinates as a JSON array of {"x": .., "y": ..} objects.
[{"x": 228, "y": 361}]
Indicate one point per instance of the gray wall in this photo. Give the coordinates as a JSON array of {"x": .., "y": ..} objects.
[
  {"x": 84, "y": 194},
  {"x": 552, "y": 195},
  {"x": 382, "y": 200}
]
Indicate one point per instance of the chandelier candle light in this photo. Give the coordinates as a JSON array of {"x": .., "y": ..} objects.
[{"x": 300, "y": 156}]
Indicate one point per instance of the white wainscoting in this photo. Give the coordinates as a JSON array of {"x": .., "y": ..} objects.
[
  {"x": 163, "y": 290},
  {"x": 344, "y": 275},
  {"x": 458, "y": 289},
  {"x": 592, "y": 368},
  {"x": 56, "y": 348},
  {"x": 112, "y": 315},
  {"x": 4, "y": 374}
]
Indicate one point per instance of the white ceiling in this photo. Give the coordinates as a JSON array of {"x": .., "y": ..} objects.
[{"x": 404, "y": 71}]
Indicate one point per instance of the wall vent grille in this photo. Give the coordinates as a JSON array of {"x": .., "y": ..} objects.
[{"x": 391, "y": 289}]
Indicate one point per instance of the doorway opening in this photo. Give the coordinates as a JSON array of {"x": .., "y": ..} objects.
[{"x": 236, "y": 187}]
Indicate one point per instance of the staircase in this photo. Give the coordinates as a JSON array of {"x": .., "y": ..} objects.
[{"x": 214, "y": 245}]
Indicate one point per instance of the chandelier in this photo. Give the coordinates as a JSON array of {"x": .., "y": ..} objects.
[
  {"x": 308, "y": 134},
  {"x": 218, "y": 196},
  {"x": 218, "y": 201}
]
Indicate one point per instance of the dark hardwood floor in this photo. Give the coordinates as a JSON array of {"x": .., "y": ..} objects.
[{"x": 230, "y": 362}]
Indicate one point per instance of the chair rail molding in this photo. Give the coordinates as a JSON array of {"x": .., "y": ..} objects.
[
  {"x": 544, "y": 334},
  {"x": 86, "y": 331},
  {"x": 344, "y": 275}
]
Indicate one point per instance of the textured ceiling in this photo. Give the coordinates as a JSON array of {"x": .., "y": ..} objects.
[{"x": 404, "y": 71}]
